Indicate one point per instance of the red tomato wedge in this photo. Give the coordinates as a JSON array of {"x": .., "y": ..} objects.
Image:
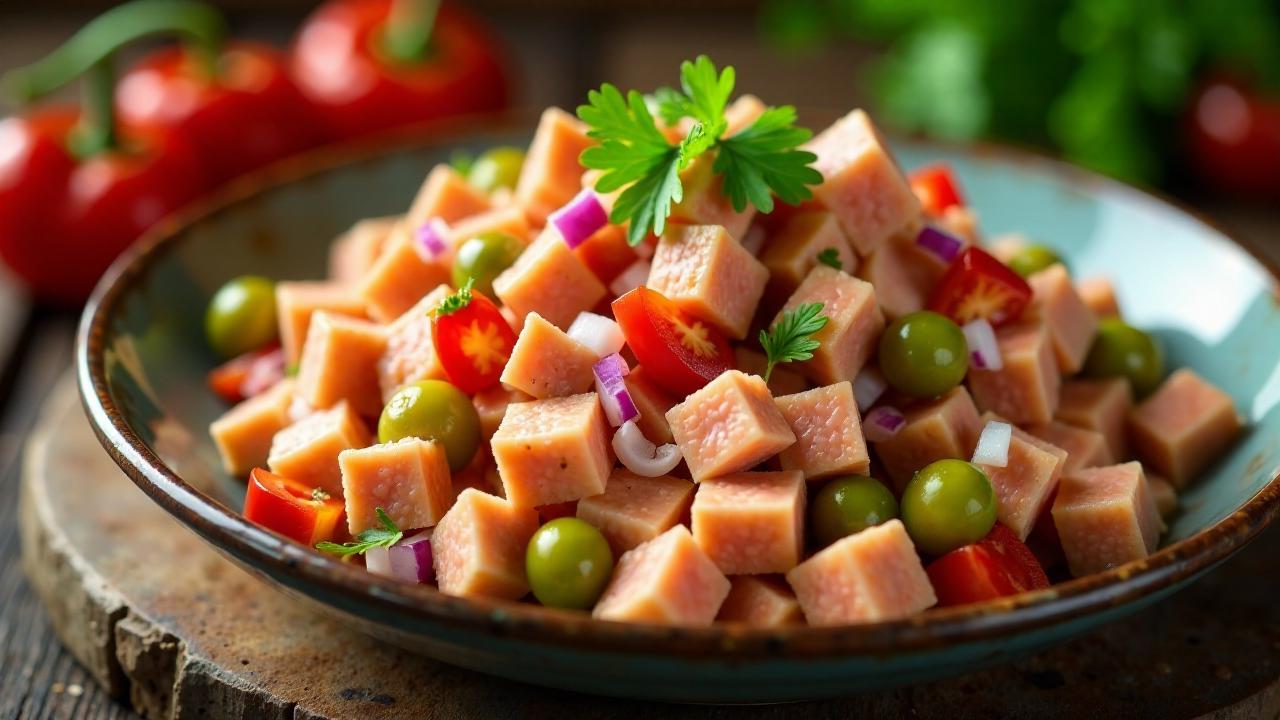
[
  {"x": 295, "y": 510},
  {"x": 979, "y": 286},
  {"x": 248, "y": 375},
  {"x": 936, "y": 189},
  {"x": 996, "y": 566},
  {"x": 473, "y": 343},
  {"x": 679, "y": 352}
]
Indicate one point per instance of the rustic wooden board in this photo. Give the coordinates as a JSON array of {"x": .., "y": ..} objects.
[{"x": 168, "y": 626}]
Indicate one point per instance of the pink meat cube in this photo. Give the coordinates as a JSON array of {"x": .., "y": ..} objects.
[
  {"x": 751, "y": 522},
  {"x": 296, "y": 302},
  {"x": 354, "y": 252},
  {"x": 478, "y": 547},
  {"x": 706, "y": 203},
  {"x": 730, "y": 425},
  {"x": 760, "y": 601},
  {"x": 551, "y": 174},
  {"x": 408, "y": 479},
  {"x": 961, "y": 222},
  {"x": 861, "y": 183},
  {"x": 783, "y": 381},
  {"x": 445, "y": 194},
  {"x": 307, "y": 451},
  {"x": 1085, "y": 448},
  {"x": 866, "y": 577},
  {"x": 1025, "y": 485},
  {"x": 667, "y": 580},
  {"x": 1185, "y": 425},
  {"x": 550, "y": 280},
  {"x": 1100, "y": 296},
  {"x": 1026, "y": 390},
  {"x": 1106, "y": 517},
  {"x": 653, "y": 403},
  {"x": 634, "y": 509},
  {"x": 828, "y": 431},
  {"x": 510, "y": 220},
  {"x": 1164, "y": 494},
  {"x": 1072, "y": 325},
  {"x": 340, "y": 362},
  {"x": 552, "y": 451},
  {"x": 794, "y": 249},
  {"x": 903, "y": 274},
  {"x": 411, "y": 355},
  {"x": 1099, "y": 405},
  {"x": 491, "y": 406},
  {"x": 706, "y": 273},
  {"x": 947, "y": 427},
  {"x": 243, "y": 433},
  {"x": 401, "y": 276},
  {"x": 546, "y": 362},
  {"x": 854, "y": 323}
]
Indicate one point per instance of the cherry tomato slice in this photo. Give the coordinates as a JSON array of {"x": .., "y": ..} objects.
[
  {"x": 979, "y": 286},
  {"x": 248, "y": 375},
  {"x": 999, "y": 565},
  {"x": 291, "y": 508},
  {"x": 473, "y": 344},
  {"x": 936, "y": 188},
  {"x": 679, "y": 352}
]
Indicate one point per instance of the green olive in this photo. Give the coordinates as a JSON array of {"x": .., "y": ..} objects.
[
  {"x": 1031, "y": 259},
  {"x": 568, "y": 564},
  {"x": 849, "y": 505},
  {"x": 433, "y": 410},
  {"x": 241, "y": 316},
  {"x": 497, "y": 168},
  {"x": 484, "y": 257},
  {"x": 948, "y": 504},
  {"x": 923, "y": 354},
  {"x": 1121, "y": 350}
]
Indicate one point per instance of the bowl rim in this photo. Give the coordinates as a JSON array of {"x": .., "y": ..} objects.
[{"x": 256, "y": 547}]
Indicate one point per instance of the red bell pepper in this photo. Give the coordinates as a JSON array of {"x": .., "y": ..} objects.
[
  {"x": 297, "y": 511},
  {"x": 375, "y": 65},
  {"x": 996, "y": 566},
  {"x": 936, "y": 188},
  {"x": 980, "y": 286},
  {"x": 248, "y": 375}
]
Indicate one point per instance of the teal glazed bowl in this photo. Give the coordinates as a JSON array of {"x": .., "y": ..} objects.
[{"x": 142, "y": 360}]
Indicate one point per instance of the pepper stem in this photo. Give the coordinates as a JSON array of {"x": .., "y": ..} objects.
[
  {"x": 406, "y": 36},
  {"x": 97, "y": 129}
]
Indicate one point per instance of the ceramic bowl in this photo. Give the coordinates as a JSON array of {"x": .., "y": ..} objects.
[{"x": 142, "y": 361}]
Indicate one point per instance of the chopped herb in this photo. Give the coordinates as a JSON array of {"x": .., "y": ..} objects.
[
  {"x": 461, "y": 160},
  {"x": 763, "y": 161},
  {"x": 319, "y": 495},
  {"x": 456, "y": 301},
  {"x": 789, "y": 338},
  {"x": 291, "y": 370},
  {"x": 385, "y": 536},
  {"x": 830, "y": 258}
]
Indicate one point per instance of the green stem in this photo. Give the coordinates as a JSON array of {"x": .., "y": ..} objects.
[
  {"x": 406, "y": 36},
  {"x": 97, "y": 129}
]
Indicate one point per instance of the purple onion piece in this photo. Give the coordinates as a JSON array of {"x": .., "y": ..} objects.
[
  {"x": 945, "y": 247},
  {"x": 432, "y": 238},
  {"x": 883, "y": 423},
  {"x": 580, "y": 219}
]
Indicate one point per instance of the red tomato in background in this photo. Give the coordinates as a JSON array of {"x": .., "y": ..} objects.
[
  {"x": 678, "y": 352},
  {"x": 1233, "y": 139},
  {"x": 936, "y": 188},
  {"x": 291, "y": 508},
  {"x": 977, "y": 285},
  {"x": 996, "y": 566},
  {"x": 473, "y": 344},
  {"x": 248, "y": 375}
]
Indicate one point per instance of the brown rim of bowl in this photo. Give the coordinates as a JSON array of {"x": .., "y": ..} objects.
[{"x": 523, "y": 621}]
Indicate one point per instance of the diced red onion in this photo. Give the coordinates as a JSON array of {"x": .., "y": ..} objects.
[
  {"x": 946, "y": 247},
  {"x": 580, "y": 219},
  {"x": 433, "y": 238},
  {"x": 597, "y": 332},
  {"x": 408, "y": 560},
  {"x": 612, "y": 389},
  {"x": 882, "y": 423},
  {"x": 753, "y": 240},
  {"x": 993, "y": 444},
  {"x": 868, "y": 386},
  {"x": 634, "y": 276},
  {"x": 984, "y": 351},
  {"x": 641, "y": 456}
]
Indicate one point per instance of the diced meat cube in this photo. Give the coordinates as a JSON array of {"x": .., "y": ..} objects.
[
  {"x": 354, "y": 252},
  {"x": 1184, "y": 426},
  {"x": 550, "y": 280},
  {"x": 1026, "y": 484},
  {"x": 607, "y": 253},
  {"x": 709, "y": 275},
  {"x": 478, "y": 547},
  {"x": 1026, "y": 390},
  {"x": 828, "y": 431},
  {"x": 551, "y": 451},
  {"x": 510, "y": 220},
  {"x": 408, "y": 479},
  {"x": 854, "y": 323},
  {"x": 410, "y": 355},
  {"x": 307, "y": 451},
  {"x": 1100, "y": 296},
  {"x": 1106, "y": 517},
  {"x": 1099, "y": 405},
  {"x": 634, "y": 509},
  {"x": 1164, "y": 494},
  {"x": 1085, "y": 448},
  {"x": 546, "y": 362},
  {"x": 962, "y": 222},
  {"x": 401, "y": 277},
  {"x": 760, "y": 601},
  {"x": 752, "y": 522},
  {"x": 903, "y": 274},
  {"x": 793, "y": 250},
  {"x": 296, "y": 302},
  {"x": 243, "y": 433},
  {"x": 653, "y": 403},
  {"x": 866, "y": 577},
  {"x": 1072, "y": 325},
  {"x": 783, "y": 380},
  {"x": 340, "y": 362},
  {"x": 947, "y": 427},
  {"x": 730, "y": 425},
  {"x": 706, "y": 203},
  {"x": 861, "y": 183},
  {"x": 667, "y": 580},
  {"x": 445, "y": 194},
  {"x": 491, "y": 405},
  {"x": 551, "y": 174}
]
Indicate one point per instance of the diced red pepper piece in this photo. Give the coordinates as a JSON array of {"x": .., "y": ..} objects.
[
  {"x": 297, "y": 511},
  {"x": 979, "y": 286},
  {"x": 936, "y": 188},
  {"x": 680, "y": 353},
  {"x": 996, "y": 566},
  {"x": 473, "y": 343},
  {"x": 247, "y": 375}
]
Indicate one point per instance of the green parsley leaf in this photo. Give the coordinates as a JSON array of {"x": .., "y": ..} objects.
[
  {"x": 830, "y": 258},
  {"x": 385, "y": 536},
  {"x": 456, "y": 301},
  {"x": 789, "y": 338},
  {"x": 707, "y": 93},
  {"x": 461, "y": 160},
  {"x": 764, "y": 160},
  {"x": 671, "y": 105}
]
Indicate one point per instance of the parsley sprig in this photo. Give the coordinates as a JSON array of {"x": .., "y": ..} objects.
[
  {"x": 456, "y": 301},
  {"x": 366, "y": 540},
  {"x": 790, "y": 338},
  {"x": 831, "y": 258},
  {"x": 761, "y": 161}
]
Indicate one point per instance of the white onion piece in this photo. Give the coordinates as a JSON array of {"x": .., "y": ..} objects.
[
  {"x": 753, "y": 240},
  {"x": 868, "y": 386},
  {"x": 408, "y": 560},
  {"x": 882, "y": 423},
  {"x": 432, "y": 238},
  {"x": 634, "y": 276},
  {"x": 611, "y": 387},
  {"x": 641, "y": 456},
  {"x": 597, "y": 332},
  {"x": 993, "y": 444},
  {"x": 580, "y": 219},
  {"x": 943, "y": 246},
  {"x": 984, "y": 350}
]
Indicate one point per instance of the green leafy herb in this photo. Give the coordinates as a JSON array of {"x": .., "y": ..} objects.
[
  {"x": 790, "y": 338},
  {"x": 830, "y": 258},
  {"x": 461, "y": 160},
  {"x": 385, "y": 536},
  {"x": 456, "y": 301},
  {"x": 763, "y": 161}
]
